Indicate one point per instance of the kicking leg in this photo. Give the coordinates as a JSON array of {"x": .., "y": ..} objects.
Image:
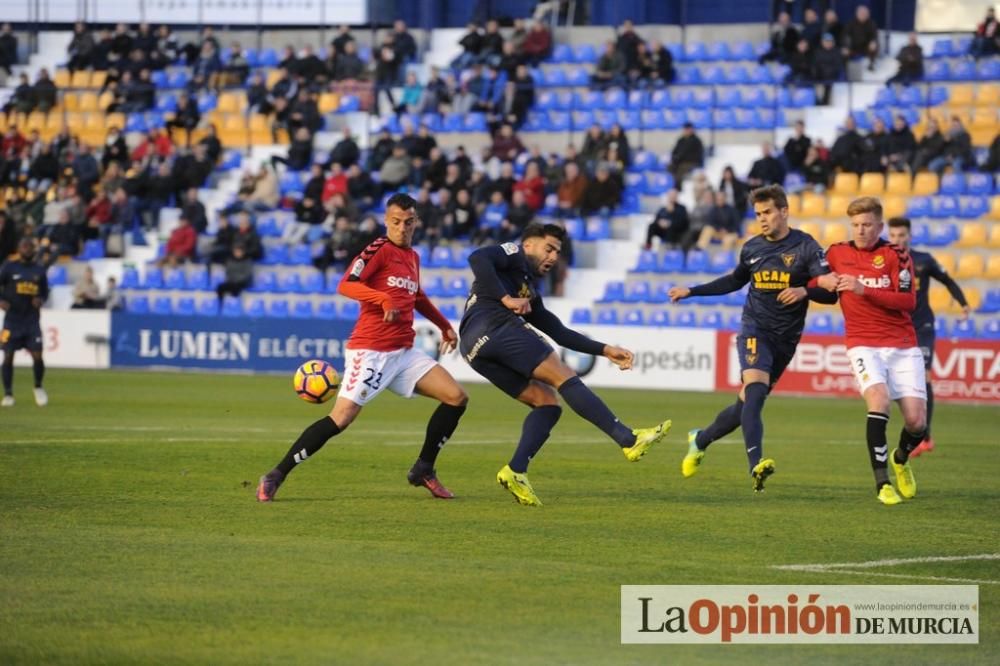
[
  {"x": 725, "y": 422},
  {"x": 441, "y": 386}
]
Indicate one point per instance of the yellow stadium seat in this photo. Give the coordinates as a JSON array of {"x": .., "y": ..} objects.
[
  {"x": 971, "y": 266},
  {"x": 86, "y": 101},
  {"x": 973, "y": 234},
  {"x": 925, "y": 184},
  {"x": 813, "y": 205},
  {"x": 985, "y": 118},
  {"x": 234, "y": 132},
  {"x": 329, "y": 102},
  {"x": 837, "y": 206},
  {"x": 231, "y": 102},
  {"x": 63, "y": 78},
  {"x": 260, "y": 130},
  {"x": 938, "y": 298},
  {"x": 752, "y": 229},
  {"x": 893, "y": 206},
  {"x": 272, "y": 78},
  {"x": 794, "y": 205},
  {"x": 994, "y": 234},
  {"x": 898, "y": 183},
  {"x": 982, "y": 136},
  {"x": 947, "y": 261},
  {"x": 94, "y": 129},
  {"x": 988, "y": 95},
  {"x": 961, "y": 95},
  {"x": 81, "y": 79},
  {"x": 74, "y": 122},
  {"x": 995, "y": 207},
  {"x": 845, "y": 183},
  {"x": 833, "y": 233},
  {"x": 114, "y": 120},
  {"x": 105, "y": 100},
  {"x": 871, "y": 184},
  {"x": 811, "y": 228},
  {"x": 97, "y": 79},
  {"x": 71, "y": 101},
  {"x": 973, "y": 296},
  {"x": 35, "y": 121},
  {"x": 993, "y": 267}
]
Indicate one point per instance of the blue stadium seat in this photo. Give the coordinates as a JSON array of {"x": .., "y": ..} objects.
[
  {"x": 607, "y": 316},
  {"x": 92, "y": 249},
  {"x": 697, "y": 262},
  {"x": 605, "y": 119},
  {"x": 661, "y": 99},
  {"x": 208, "y": 307},
  {"x": 265, "y": 282},
  {"x": 434, "y": 286},
  {"x": 268, "y": 57},
  {"x": 440, "y": 257},
  {"x": 546, "y": 101},
  {"x": 598, "y": 229},
  {"x": 57, "y": 276},
  {"x": 562, "y": 53},
  {"x": 646, "y": 262},
  {"x": 257, "y": 309},
  {"x": 162, "y": 306},
  {"x": 578, "y": 77},
  {"x": 584, "y": 54},
  {"x": 735, "y": 298},
  {"x": 275, "y": 255},
  {"x": 643, "y": 160},
  {"x": 734, "y": 322},
  {"x": 300, "y": 255},
  {"x": 637, "y": 99},
  {"x": 160, "y": 79},
  {"x": 696, "y": 51},
  {"x": 554, "y": 77},
  {"x": 991, "y": 330},
  {"x": 313, "y": 283},
  {"x": 613, "y": 100},
  {"x": 988, "y": 69},
  {"x": 130, "y": 279},
  {"x": 724, "y": 119},
  {"x": 634, "y": 317},
  {"x": 937, "y": 70},
  {"x": 713, "y": 75},
  {"x": 672, "y": 261},
  {"x": 964, "y": 329},
  {"x": 722, "y": 261},
  {"x": 154, "y": 278},
  {"x": 629, "y": 119},
  {"x": 712, "y": 319},
  {"x": 575, "y": 228},
  {"x": 942, "y": 327},
  {"x": 652, "y": 119},
  {"x": 450, "y": 311},
  {"x": 278, "y": 309},
  {"x": 921, "y": 234},
  {"x": 973, "y": 207},
  {"x": 886, "y": 97},
  {"x": 475, "y": 122},
  {"x": 729, "y": 97},
  {"x": 942, "y": 235},
  {"x": 659, "y": 317},
  {"x": 290, "y": 283},
  {"x": 174, "y": 279},
  {"x": 912, "y": 96},
  {"x": 762, "y": 74},
  {"x": 457, "y": 286},
  {"x": 687, "y": 75},
  {"x": 638, "y": 292},
  {"x": 137, "y": 305},
  {"x": 942, "y": 48},
  {"x": 185, "y": 307},
  {"x": 737, "y": 75},
  {"x": 943, "y": 207},
  {"x": 232, "y": 307},
  {"x": 333, "y": 283},
  {"x": 700, "y": 118},
  {"x": 952, "y": 183},
  {"x": 580, "y": 316},
  {"x": 253, "y": 58},
  {"x": 918, "y": 207},
  {"x": 686, "y": 318},
  {"x": 743, "y": 50},
  {"x": 674, "y": 118},
  {"x": 964, "y": 70},
  {"x": 820, "y": 324},
  {"x": 661, "y": 292},
  {"x": 582, "y": 120},
  {"x": 979, "y": 183},
  {"x": 614, "y": 292},
  {"x": 178, "y": 78},
  {"x": 719, "y": 51},
  {"x": 326, "y": 310},
  {"x": 135, "y": 122},
  {"x": 765, "y": 119},
  {"x": 804, "y": 97},
  {"x": 303, "y": 310},
  {"x": 559, "y": 121}
]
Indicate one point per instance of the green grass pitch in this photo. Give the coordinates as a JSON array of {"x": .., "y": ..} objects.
[{"x": 129, "y": 531}]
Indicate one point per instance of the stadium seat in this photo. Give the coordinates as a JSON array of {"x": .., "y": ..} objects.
[
  {"x": 162, "y": 306},
  {"x": 970, "y": 266},
  {"x": 580, "y": 316},
  {"x": 712, "y": 319},
  {"x": 871, "y": 184},
  {"x": 130, "y": 279},
  {"x": 942, "y": 235},
  {"x": 265, "y": 282},
  {"x": 973, "y": 207},
  {"x": 290, "y": 283},
  {"x": 898, "y": 183},
  {"x": 947, "y": 261},
  {"x": 175, "y": 279},
  {"x": 686, "y": 318},
  {"x": 820, "y": 324},
  {"x": 232, "y": 307},
  {"x": 302, "y": 310},
  {"x": 918, "y": 207},
  {"x": 722, "y": 261},
  {"x": 457, "y": 287},
  {"x": 638, "y": 291},
  {"x": 988, "y": 95},
  {"x": 137, "y": 305},
  {"x": 634, "y": 317},
  {"x": 278, "y": 309},
  {"x": 584, "y": 54},
  {"x": 185, "y": 307},
  {"x": 925, "y": 184},
  {"x": 964, "y": 329},
  {"x": 813, "y": 205},
  {"x": 834, "y": 233},
  {"x": 845, "y": 183},
  {"x": 991, "y": 330},
  {"x": 57, "y": 276},
  {"x": 208, "y": 307},
  {"x": 838, "y": 206},
  {"x": 607, "y": 316},
  {"x": 646, "y": 262},
  {"x": 944, "y": 207},
  {"x": 696, "y": 262},
  {"x": 257, "y": 309},
  {"x": 993, "y": 267},
  {"x": 811, "y": 228},
  {"x": 153, "y": 279},
  {"x": 671, "y": 261},
  {"x": 614, "y": 292},
  {"x": 659, "y": 317},
  {"x": 979, "y": 184}
]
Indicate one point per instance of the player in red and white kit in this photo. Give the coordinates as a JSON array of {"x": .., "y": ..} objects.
[
  {"x": 385, "y": 278},
  {"x": 875, "y": 282}
]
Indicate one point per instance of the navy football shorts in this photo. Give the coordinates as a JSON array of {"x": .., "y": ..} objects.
[
  {"x": 15, "y": 335},
  {"x": 506, "y": 356},
  {"x": 762, "y": 352},
  {"x": 925, "y": 340}
]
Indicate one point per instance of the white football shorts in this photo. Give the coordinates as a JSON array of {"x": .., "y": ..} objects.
[
  {"x": 367, "y": 373},
  {"x": 901, "y": 370}
]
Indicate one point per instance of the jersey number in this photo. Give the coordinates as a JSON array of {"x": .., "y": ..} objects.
[
  {"x": 752, "y": 345},
  {"x": 373, "y": 380},
  {"x": 861, "y": 365}
]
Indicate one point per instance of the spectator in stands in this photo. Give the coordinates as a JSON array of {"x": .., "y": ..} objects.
[
  {"x": 193, "y": 210},
  {"x": 812, "y": 29},
  {"x": 343, "y": 38},
  {"x": 610, "y": 69},
  {"x": 386, "y": 75},
  {"x": 986, "y": 40},
  {"x": 247, "y": 237},
  {"x": 186, "y": 117},
  {"x": 833, "y": 27},
  {"x": 957, "y": 151},
  {"x": 395, "y": 170},
  {"x": 349, "y": 65},
  {"x": 930, "y": 148},
  {"x": 336, "y": 183},
  {"x": 472, "y": 45},
  {"x": 800, "y": 65},
  {"x": 990, "y": 165},
  {"x": 265, "y": 194},
  {"x": 506, "y": 144},
  {"x": 317, "y": 179},
  {"x": 8, "y": 236},
  {"x": 44, "y": 169},
  {"x": 81, "y": 48},
  {"x": 299, "y": 152},
  {"x": 145, "y": 39},
  {"x": 239, "y": 275},
  {"x": 532, "y": 186},
  {"x": 828, "y": 67},
  {"x": 181, "y": 244},
  {"x": 519, "y": 96},
  {"x": 257, "y": 95},
  {"x": 160, "y": 189},
  {"x": 688, "y": 154},
  {"x": 412, "y": 99},
  {"x": 491, "y": 50},
  {"x": 235, "y": 71},
  {"x": 86, "y": 292},
  {"x": 310, "y": 69},
  {"x": 627, "y": 44},
  {"x": 102, "y": 58},
  {"x": 167, "y": 49},
  {"x": 22, "y": 100},
  {"x": 86, "y": 171},
  {"x": 911, "y": 63},
  {"x": 848, "y": 150},
  {"x": 617, "y": 141},
  {"x": 699, "y": 218},
  {"x": 207, "y": 67},
  {"x": 491, "y": 220},
  {"x": 670, "y": 223},
  {"x": 338, "y": 247},
  {"x": 875, "y": 148},
  {"x": 900, "y": 146},
  {"x": 509, "y": 59},
  {"x": 735, "y": 190},
  {"x": 45, "y": 91},
  {"x": 663, "y": 64},
  {"x": 120, "y": 214},
  {"x": 797, "y": 146},
  {"x": 537, "y": 45},
  {"x": 8, "y": 48},
  {"x": 784, "y": 40},
  {"x": 569, "y": 195},
  {"x": 222, "y": 243},
  {"x": 403, "y": 42},
  {"x": 767, "y": 170},
  {"x": 816, "y": 171},
  {"x": 59, "y": 240},
  {"x": 861, "y": 37},
  {"x": 603, "y": 194},
  {"x": 308, "y": 214},
  {"x": 595, "y": 147},
  {"x": 723, "y": 225},
  {"x": 360, "y": 187},
  {"x": 437, "y": 93},
  {"x": 211, "y": 145},
  {"x": 519, "y": 214}
]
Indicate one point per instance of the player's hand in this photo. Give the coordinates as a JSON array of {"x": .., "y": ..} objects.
[
  {"x": 619, "y": 356},
  {"x": 828, "y": 281},
  {"x": 389, "y": 311},
  {"x": 449, "y": 340},
  {"x": 850, "y": 283},
  {"x": 521, "y": 306},
  {"x": 966, "y": 311},
  {"x": 792, "y": 295},
  {"x": 677, "y": 293}
]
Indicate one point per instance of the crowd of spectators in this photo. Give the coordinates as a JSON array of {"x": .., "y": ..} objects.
[{"x": 628, "y": 61}]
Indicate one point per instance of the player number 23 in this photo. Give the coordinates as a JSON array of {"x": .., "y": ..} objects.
[{"x": 373, "y": 380}]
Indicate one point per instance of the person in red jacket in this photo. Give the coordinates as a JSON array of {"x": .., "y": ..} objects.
[
  {"x": 532, "y": 186},
  {"x": 877, "y": 295},
  {"x": 181, "y": 245},
  {"x": 335, "y": 184},
  {"x": 537, "y": 45},
  {"x": 380, "y": 355}
]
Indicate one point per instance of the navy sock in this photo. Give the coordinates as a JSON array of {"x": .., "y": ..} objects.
[
  {"x": 309, "y": 442},
  {"x": 585, "y": 403},
  {"x": 440, "y": 428},
  {"x": 8, "y": 378},
  {"x": 930, "y": 407},
  {"x": 907, "y": 442},
  {"x": 728, "y": 420},
  {"x": 878, "y": 450},
  {"x": 537, "y": 426},
  {"x": 39, "y": 369},
  {"x": 752, "y": 422}
]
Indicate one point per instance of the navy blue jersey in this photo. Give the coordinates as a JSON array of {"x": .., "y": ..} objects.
[
  {"x": 771, "y": 267},
  {"x": 503, "y": 270},
  {"x": 926, "y": 267},
  {"x": 20, "y": 284}
]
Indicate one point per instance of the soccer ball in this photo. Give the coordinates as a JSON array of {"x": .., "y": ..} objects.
[{"x": 316, "y": 381}]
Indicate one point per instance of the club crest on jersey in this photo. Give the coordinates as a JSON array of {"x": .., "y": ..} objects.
[
  {"x": 878, "y": 261},
  {"x": 357, "y": 268},
  {"x": 510, "y": 248},
  {"x": 789, "y": 259}
]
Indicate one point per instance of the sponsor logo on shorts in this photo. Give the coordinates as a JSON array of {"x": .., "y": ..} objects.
[{"x": 476, "y": 347}]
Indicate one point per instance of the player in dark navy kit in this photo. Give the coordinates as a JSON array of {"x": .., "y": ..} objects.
[
  {"x": 498, "y": 341},
  {"x": 925, "y": 268},
  {"x": 783, "y": 267},
  {"x": 23, "y": 290}
]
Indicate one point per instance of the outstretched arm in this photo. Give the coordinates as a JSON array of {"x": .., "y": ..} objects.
[
  {"x": 723, "y": 285},
  {"x": 549, "y": 324},
  {"x": 949, "y": 282}
]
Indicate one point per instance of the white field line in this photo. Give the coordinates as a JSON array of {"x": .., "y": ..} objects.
[{"x": 852, "y": 568}]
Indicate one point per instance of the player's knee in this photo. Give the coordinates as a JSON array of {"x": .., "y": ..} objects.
[
  {"x": 754, "y": 392},
  {"x": 544, "y": 396},
  {"x": 456, "y": 397}
]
